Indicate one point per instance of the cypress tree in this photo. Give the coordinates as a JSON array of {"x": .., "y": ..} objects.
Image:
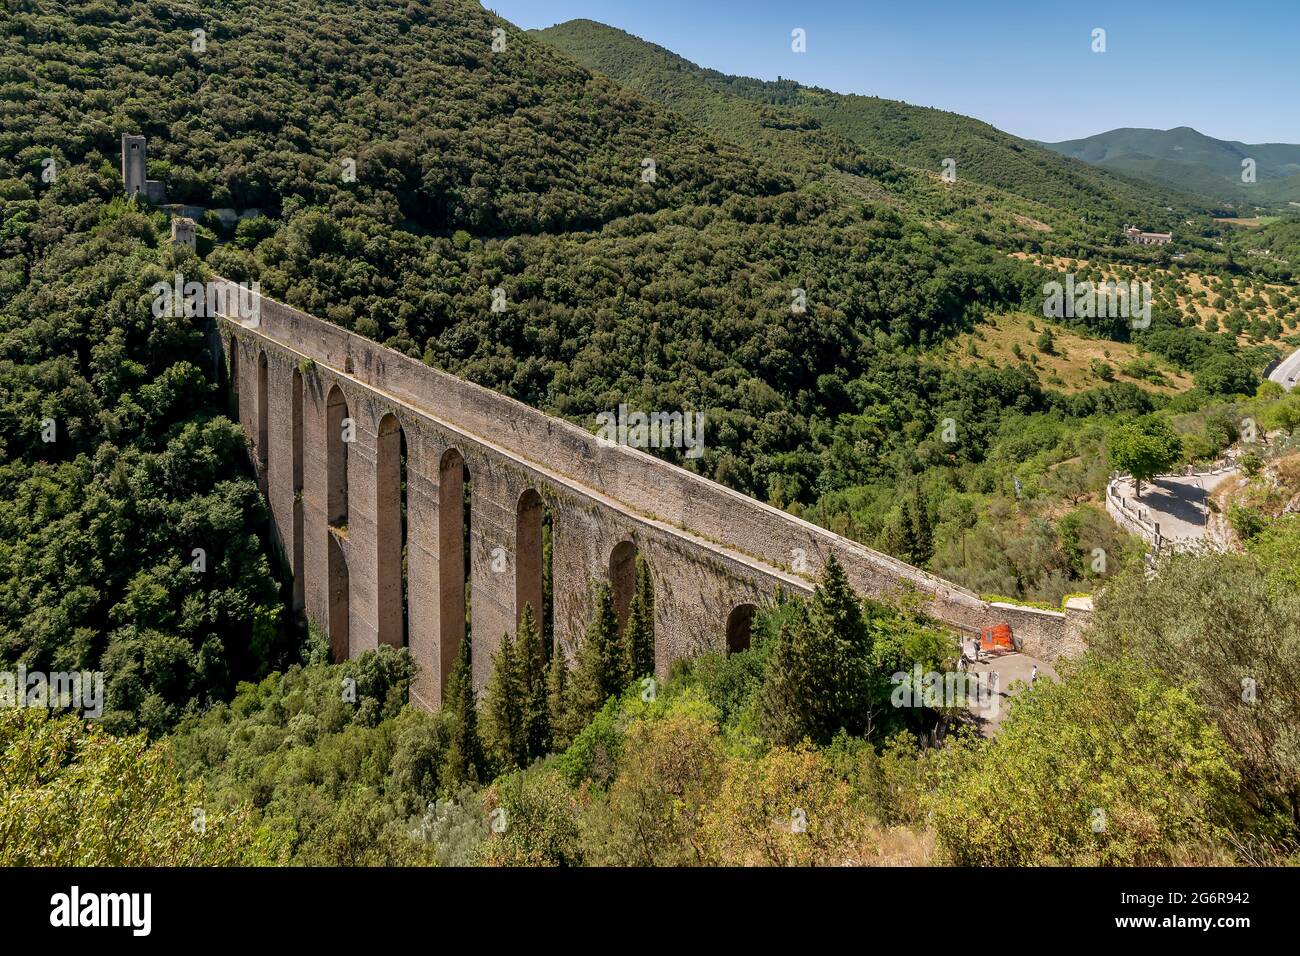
[
  {"x": 835, "y": 613},
  {"x": 530, "y": 653},
  {"x": 820, "y": 677},
  {"x": 559, "y": 700},
  {"x": 464, "y": 759},
  {"x": 600, "y": 660},
  {"x": 781, "y": 705},
  {"x": 639, "y": 634},
  {"x": 905, "y": 544},
  {"x": 518, "y": 727},
  {"x": 504, "y": 708}
]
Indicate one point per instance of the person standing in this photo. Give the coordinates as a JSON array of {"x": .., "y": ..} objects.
[{"x": 1033, "y": 676}]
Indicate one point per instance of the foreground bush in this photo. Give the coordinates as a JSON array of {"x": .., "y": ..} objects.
[
  {"x": 339, "y": 770},
  {"x": 534, "y": 822},
  {"x": 1114, "y": 765},
  {"x": 73, "y": 795},
  {"x": 654, "y": 815},
  {"x": 784, "y": 809},
  {"x": 1228, "y": 627}
]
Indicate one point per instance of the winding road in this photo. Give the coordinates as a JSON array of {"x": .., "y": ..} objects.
[{"x": 1287, "y": 372}]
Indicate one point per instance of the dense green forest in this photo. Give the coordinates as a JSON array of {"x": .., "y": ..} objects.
[
  {"x": 116, "y": 463},
  {"x": 788, "y": 753},
  {"x": 662, "y": 285},
  {"x": 1273, "y": 249}
]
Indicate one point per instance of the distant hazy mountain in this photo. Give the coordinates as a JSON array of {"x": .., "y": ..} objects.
[{"x": 1189, "y": 160}]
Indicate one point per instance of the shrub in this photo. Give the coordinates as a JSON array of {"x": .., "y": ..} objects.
[
  {"x": 537, "y": 824},
  {"x": 1113, "y": 765},
  {"x": 454, "y": 826},
  {"x": 593, "y": 756},
  {"x": 670, "y": 770},
  {"x": 1226, "y": 375},
  {"x": 1246, "y": 521},
  {"x": 1228, "y": 626},
  {"x": 75, "y": 795},
  {"x": 786, "y": 808}
]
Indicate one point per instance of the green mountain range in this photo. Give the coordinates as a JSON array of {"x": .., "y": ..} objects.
[
  {"x": 1186, "y": 159},
  {"x": 783, "y": 118}
]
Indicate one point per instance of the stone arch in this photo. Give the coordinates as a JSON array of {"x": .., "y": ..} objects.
[
  {"x": 622, "y": 579},
  {"x": 339, "y": 600},
  {"x": 529, "y": 570},
  {"x": 336, "y": 458},
  {"x": 453, "y": 558},
  {"x": 740, "y": 628},
  {"x": 299, "y": 586},
  {"x": 263, "y": 410},
  {"x": 390, "y": 531}
]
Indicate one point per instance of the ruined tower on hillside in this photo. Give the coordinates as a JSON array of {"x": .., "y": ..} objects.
[
  {"x": 133, "y": 171},
  {"x": 183, "y": 231}
]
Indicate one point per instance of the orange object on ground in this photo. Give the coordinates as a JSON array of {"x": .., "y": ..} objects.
[{"x": 999, "y": 635}]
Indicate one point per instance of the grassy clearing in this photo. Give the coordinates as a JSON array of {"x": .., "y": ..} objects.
[{"x": 1075, "y": 364}]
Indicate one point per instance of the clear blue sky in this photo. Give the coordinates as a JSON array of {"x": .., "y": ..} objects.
[{"x": 1229, "y": 69}]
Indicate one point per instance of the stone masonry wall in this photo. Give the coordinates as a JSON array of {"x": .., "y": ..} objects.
[{"x": 709, "y": 548}]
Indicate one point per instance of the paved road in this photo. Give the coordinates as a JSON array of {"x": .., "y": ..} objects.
[
  {"x": 1011, "y": 667},
  {"x": 1288, "y": 371},
  {"x": 1175, "y": 502}
]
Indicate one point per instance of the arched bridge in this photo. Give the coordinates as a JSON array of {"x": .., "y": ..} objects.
[{"x": 342, "y": 428}]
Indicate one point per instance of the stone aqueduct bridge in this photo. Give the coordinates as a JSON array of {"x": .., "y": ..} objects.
[{"x": 712, "y": 553}]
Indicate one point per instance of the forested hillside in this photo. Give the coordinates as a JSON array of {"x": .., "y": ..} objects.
[
  {"x": 445, "y": 133},
  {"x": 117, "y": 463},
  {"x": 1020, "y": 176},
  {"x": 682, "y": 298},
  {"x": 518, "y": 169},
  {"x": 1273, "y": 248},
  {"x": 954, "y": 508}
]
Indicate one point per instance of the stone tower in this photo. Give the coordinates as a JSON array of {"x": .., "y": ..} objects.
[
  {"x": 133, "y": 171},
  {"x": 183, "y": 231},
  {"x": 133, "y": 177}
]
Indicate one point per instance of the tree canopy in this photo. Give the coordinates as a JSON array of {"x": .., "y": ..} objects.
[{"x": 1143, "y": 447}]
